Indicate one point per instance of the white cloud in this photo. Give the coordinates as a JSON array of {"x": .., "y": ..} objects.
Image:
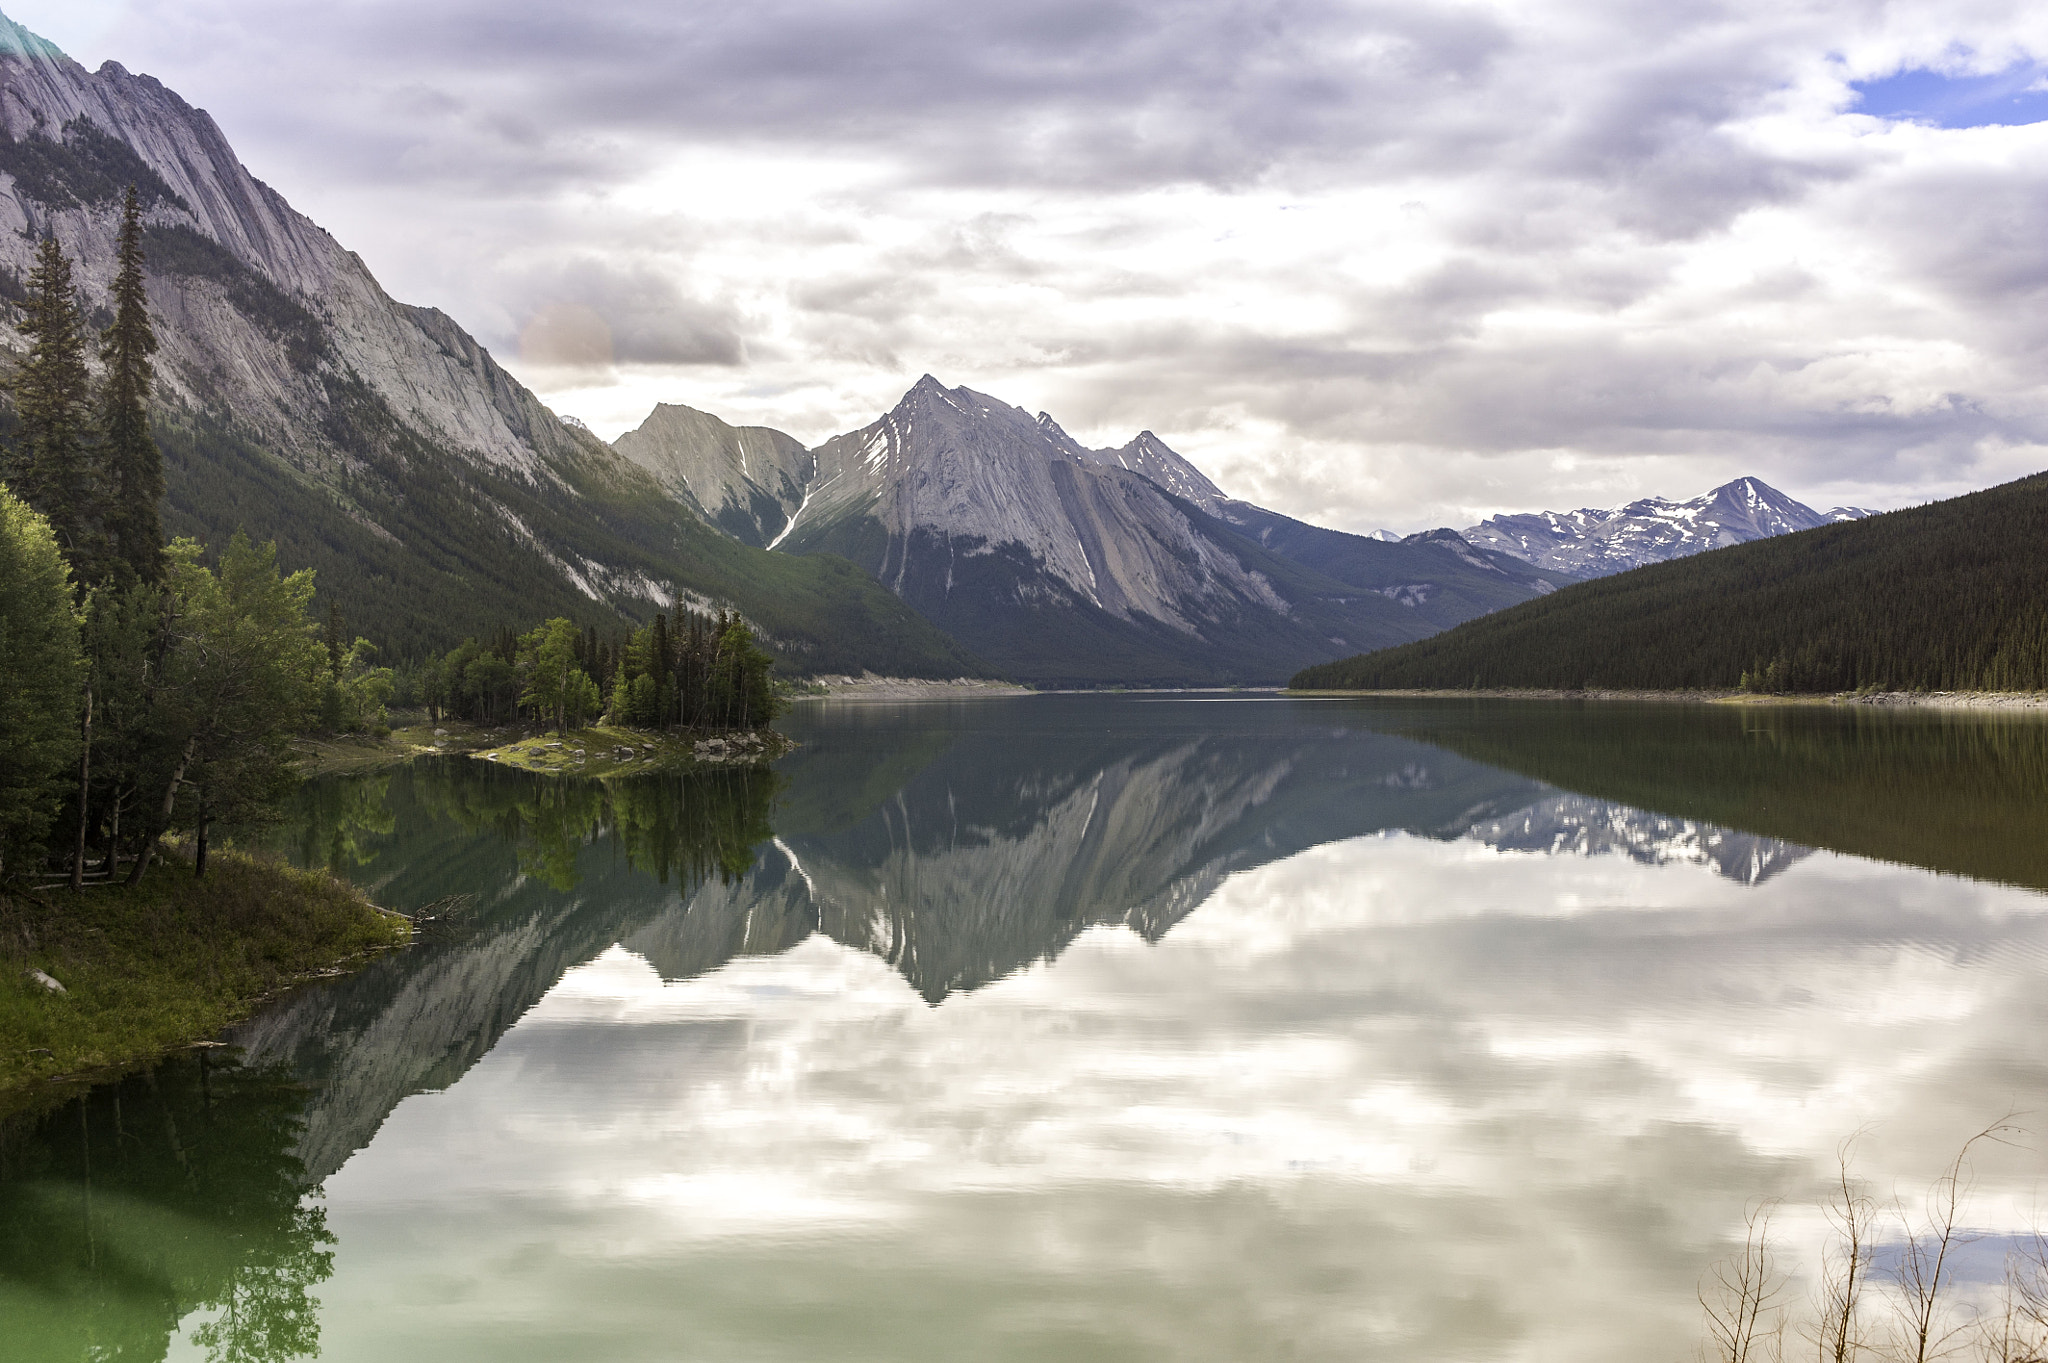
[{"x": 1396, "y": 264}]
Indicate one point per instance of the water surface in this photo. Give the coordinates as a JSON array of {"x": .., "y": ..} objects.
[{"x": 1084, "y": 1027}]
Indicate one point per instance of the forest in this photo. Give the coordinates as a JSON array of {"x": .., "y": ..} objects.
[
  {"x": 1952, "y": 596},
  {"x": 149, "y": 689}
]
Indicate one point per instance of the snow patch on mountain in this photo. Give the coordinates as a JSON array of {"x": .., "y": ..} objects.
[{"x": 1594, "y": 543}]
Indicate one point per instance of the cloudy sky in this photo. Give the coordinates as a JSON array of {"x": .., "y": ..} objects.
[{"x": 1390, "y": 263}]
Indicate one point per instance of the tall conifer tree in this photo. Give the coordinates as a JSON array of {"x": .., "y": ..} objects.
[
  {"x": 53, "y": 398},
  {"x": 134, "y": 467}
]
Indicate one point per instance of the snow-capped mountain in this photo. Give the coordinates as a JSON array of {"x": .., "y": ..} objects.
[
  {"x": 1594, "y": 543},
  {"x": 1058, "y": 562},
  {"x": 1580, "y": 825}
]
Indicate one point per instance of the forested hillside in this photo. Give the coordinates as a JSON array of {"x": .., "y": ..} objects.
[{"x": 1952, "y": 596}]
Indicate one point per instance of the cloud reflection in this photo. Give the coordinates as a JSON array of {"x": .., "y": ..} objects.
[{"x": 1387, "y": 1097}]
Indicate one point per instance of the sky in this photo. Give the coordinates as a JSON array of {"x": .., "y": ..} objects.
[{"x": 1371, "y": 264}]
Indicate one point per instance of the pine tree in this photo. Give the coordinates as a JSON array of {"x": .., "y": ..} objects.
[
  {"x": 133, "y": 466},
  {"x": 52, "y": 396}
]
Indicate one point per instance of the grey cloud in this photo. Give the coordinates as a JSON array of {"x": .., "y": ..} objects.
[
  {"x": 591, "y": 312},
  {"x": 1567, "y": 164}
]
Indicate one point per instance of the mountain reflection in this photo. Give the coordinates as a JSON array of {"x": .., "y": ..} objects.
[
  {"x": 958, "y": 844},
  {"x": 1955, "y": 791}
]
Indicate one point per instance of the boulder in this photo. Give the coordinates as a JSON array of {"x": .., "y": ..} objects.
[{"x": 38, "y": 977}]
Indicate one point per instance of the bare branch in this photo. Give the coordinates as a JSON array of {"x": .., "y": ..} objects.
[{"x": 1740, "y": 1293}]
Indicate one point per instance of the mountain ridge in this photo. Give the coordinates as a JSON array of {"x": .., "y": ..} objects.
[
  {"x": 1063, "y": 563},
  {"x": 1594, "y": 542}
]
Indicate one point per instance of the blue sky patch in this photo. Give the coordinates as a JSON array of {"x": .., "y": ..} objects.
[{"x": 2018, "y": 94}]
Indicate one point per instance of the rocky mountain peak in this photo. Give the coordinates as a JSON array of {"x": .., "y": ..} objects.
[
  {"x": 1150, "y": 457},
  {"x": 1594, "y": 542}
]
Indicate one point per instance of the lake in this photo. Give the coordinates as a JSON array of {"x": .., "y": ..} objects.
[{"x": 1089, "y": 1027}]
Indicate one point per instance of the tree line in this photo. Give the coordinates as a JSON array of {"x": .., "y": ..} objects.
[
  {"x": 699, "y": 671},
  {"x": 1952, "y": 596}
]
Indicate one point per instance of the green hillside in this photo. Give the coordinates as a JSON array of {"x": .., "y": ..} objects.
[
  {"x": 1951, "y": 596},
  {"x": 420, "y": 550}
]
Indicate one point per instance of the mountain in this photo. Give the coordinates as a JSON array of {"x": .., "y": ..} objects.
[
  {"x": 743, "y": 479},
  {"x": 1577, "y": 825},
  {"x": 1439, "y": 574},
  {"x": 1949, "y": 596},
  {"x": 377, "y": 442},
  {"x": 1059, "y": 563},
  {"x": 1594, "y": 543}
]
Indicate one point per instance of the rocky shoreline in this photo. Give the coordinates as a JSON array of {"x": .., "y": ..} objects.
[{"x": 868, "y": 686}]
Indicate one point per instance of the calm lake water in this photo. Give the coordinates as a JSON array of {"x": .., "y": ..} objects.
[{"x": 1060, "y": 1027}]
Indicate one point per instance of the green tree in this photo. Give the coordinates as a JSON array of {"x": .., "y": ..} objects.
[
  {"x": 53, "y": 399},
  {"x": 742, "y": 696},
  {"x": 133, "y": 467},
  {"x": 554, "y": 683},
  {"x": 241, "y": 677},
  {"x": 39, "y": 673}
]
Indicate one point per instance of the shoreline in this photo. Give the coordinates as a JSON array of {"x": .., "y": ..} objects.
[
  {"x": 1899, "y": 700},
  {"x": 165, "y": 965},
  {"x": 868, "y": 686}
]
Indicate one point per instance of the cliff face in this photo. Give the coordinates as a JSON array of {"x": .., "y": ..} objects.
[
  {"x": 78, "y": 138},
  {"x": 434, "y": 495}
]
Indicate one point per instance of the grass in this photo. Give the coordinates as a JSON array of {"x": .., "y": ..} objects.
[
  {"x": 554, "y": 754},
  {"x": 166, "y": 963},
  {"x": 517, "y": 745}
]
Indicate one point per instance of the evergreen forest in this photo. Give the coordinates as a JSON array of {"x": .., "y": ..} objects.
[{"x": 1952, "y": 596}]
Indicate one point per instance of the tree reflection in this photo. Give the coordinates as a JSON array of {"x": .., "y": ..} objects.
[
  {"x": 163, "y": 1194},
  {"x": 1945, "y": 790},
  {"x": 685, "y": 828}
]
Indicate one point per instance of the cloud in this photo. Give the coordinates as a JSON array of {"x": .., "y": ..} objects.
[
  {"x": 591, "y": 313},
  {"x": 1378, "y": 262}
]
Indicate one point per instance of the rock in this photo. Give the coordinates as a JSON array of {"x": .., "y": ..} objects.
[
  {"x": 440, "y": 733},
  {"x": 38, "y": 977},
  {"x": 551, "y": 745}
]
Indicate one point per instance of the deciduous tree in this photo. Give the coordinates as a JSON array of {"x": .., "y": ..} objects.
[{"x": 38, "y": 679}]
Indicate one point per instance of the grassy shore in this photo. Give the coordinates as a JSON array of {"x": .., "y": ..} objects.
[
  {"x": 530, "y": 749},
  {"x": 597, "y": 751},
  {"x": 166, "y": 963}
]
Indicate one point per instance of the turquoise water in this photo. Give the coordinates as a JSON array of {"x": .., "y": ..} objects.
[{"x": 1072, "y": 1027}]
